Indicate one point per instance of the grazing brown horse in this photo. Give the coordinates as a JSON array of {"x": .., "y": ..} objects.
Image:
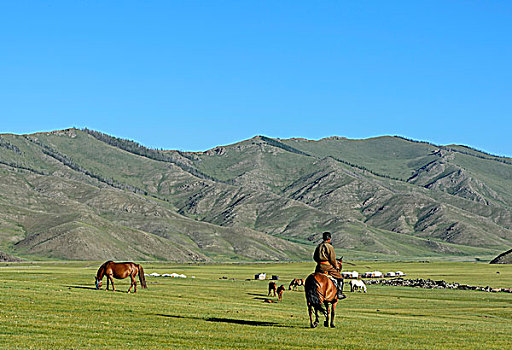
[
  {"x": 320, "y": 290},
  {"x": 120, "y": 270},
  {"x": 271, "y": 288},
  {"x": 296, "y": 282},
  {"x": 280, "y": 291}
]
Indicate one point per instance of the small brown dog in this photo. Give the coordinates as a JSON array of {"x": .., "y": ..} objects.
[
  {"x": 280, "y": 291},
  {"x": 271, "y": 288}
]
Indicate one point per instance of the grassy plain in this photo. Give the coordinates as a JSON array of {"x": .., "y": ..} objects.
[{"x": 53, "y": 305}]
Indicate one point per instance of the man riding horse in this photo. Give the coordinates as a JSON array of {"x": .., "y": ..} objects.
[{"x": 325, "y": 258}]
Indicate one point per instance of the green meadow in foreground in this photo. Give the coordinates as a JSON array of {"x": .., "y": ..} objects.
[{"x": 53, "y": 305}]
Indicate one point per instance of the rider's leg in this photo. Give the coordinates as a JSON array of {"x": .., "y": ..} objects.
[{"x": 340, "y": 288}]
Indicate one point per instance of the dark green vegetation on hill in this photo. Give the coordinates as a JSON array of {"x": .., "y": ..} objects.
[
  {"x": 49, "y": 305},
  {"x": 81, "y": 194}
]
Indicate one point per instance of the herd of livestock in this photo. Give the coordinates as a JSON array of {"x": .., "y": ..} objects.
[
  {"x": 112, "y": 270},
  {"x": 355, "y": 283},
  {"x": 273, "y": 290}
]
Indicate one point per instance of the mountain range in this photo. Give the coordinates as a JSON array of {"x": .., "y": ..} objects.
[{"x": 85, "y": 195}]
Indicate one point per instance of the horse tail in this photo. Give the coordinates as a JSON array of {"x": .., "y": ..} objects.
[
  {"x": 312, "y": 295},
  {"x": 142, "y": 279}
]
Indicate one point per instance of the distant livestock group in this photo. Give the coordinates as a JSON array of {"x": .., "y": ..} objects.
[
  {"x": 372, "y": 274},
  {"x": 356, "y": 284}
]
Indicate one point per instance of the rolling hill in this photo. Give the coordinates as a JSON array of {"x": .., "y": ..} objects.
[{"x": 82, "y": 194}]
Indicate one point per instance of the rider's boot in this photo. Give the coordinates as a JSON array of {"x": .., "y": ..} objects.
[{"x": 340, "y": 288}]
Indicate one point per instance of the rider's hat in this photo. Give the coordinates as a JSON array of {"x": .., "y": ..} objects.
[{"x": 326, "y": 235}]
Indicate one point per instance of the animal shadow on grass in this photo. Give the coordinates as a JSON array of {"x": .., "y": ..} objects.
[
  {"x": 232, "y": 320},
  {"x": 259, "y": 296},
  {"x": 81, "y": 287},
  {"x": 94, "y": 288}
]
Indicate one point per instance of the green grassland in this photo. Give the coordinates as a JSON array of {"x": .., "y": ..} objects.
[{"x": 53, "y": 305}]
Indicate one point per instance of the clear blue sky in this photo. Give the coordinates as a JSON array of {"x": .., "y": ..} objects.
[{"x": 192, "y": 75}]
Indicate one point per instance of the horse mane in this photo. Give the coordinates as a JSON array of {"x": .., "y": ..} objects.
[{"x": 101, "y": 270}]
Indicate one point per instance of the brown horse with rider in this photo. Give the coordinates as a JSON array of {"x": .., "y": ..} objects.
[{"x": 325, "y": 285}]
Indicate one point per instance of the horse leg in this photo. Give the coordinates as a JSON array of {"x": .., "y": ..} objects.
[
  {"x": 310, "y": 310},
  {"x": 326, "y": 322},
  {"x": 134, "y": 283},
  {"x": 333, "y": 311},
  {"x": 108, "y": 281},
  {"x": 112, "y": 281},
  {"x": 316, "y": 318}
]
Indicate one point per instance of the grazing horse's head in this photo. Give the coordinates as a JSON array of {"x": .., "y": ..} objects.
[
  {"x": 98, "y": 283},
  {"x": 100, "y": 273}
]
